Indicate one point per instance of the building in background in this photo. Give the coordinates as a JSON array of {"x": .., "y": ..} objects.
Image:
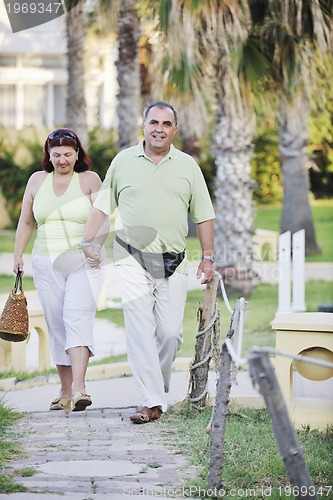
[{"x": 33, "y": 77}]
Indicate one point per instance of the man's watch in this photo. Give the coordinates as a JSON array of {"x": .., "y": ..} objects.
[{"x": 209, "y": 257}]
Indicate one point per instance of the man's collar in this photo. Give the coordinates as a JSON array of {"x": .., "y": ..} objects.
[{"x": 139, "y": 151}]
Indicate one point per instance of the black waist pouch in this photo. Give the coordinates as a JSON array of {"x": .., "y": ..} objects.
[{"x": 159, "y": 265}]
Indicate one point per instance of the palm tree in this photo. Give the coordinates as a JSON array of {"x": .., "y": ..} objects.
[
  {"x": 220, "y": 47},
  {"x": 76, "y": 37},
  {"x": 129, "y": 108},
  {"x": 234, "y": 124},
  {"x": 122, "y": 18},
  {"x": 296, "y": 33}
]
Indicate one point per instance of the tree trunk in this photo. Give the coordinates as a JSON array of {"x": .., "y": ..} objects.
[
  {"x": 233, "y": 200},
  {"x": 76, "y": 104},
  {"x": 263, "y": 375},
  {"x": 128, "y": 75},
  {"x": 293, "y": 131}
]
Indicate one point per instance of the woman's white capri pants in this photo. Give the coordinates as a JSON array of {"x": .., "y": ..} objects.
[{"x": 68, "y": 294}]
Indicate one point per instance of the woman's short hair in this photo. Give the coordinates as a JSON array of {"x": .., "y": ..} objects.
[{"x": 65, "y": 137}]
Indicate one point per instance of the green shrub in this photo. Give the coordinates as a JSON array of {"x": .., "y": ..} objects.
[
  {"x": 266, "y": 170},
  {"x": 102, "y": 150},
  {"x": 21, "y": 155}
]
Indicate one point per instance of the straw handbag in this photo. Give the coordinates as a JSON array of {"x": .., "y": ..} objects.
[{"x": 14, "y": 320}]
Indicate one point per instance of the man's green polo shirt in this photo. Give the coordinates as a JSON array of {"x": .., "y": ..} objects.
[{"x": 154, "y": 200}]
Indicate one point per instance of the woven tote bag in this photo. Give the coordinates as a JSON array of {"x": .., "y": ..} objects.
[{"x": 14, "y": 320}]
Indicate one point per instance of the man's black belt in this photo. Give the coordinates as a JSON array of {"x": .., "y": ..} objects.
[{"x": 159, "y": 265}]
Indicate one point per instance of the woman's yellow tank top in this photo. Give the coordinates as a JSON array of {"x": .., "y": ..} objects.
[{"x": 61, "y": 219}]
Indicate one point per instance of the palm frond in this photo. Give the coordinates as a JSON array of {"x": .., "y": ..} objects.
[
  {"x": 164, "y": 13},
  {"x": 253, "y": 63}
]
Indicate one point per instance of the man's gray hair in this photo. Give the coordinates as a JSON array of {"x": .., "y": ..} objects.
[{"x": 160, "y": 104}]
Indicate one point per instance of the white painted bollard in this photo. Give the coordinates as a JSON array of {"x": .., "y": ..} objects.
[
  {"x": 298, "y": 272},
  {"x": 284, "y": 282}
]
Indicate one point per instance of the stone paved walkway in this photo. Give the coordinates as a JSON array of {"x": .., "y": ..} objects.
[{"x": 97, "y": 454}]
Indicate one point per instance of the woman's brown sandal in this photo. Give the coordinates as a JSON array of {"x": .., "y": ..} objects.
[
  {"x": 61, "y": 403},
  {"x": 145, "y": 415}
]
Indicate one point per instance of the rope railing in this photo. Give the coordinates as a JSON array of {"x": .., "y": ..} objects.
[
  {"x": 236, "y": 354},
  {"x": 211, "y": 354},
  {"x": 229, "y": 342}
]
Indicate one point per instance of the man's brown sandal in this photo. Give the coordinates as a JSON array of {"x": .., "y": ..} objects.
[
  {"x": 61, "y": 403},
  {"x": 146, "y": 414}
]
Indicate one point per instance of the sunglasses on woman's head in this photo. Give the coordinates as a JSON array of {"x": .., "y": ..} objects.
[{"x": 62, "y": 133}]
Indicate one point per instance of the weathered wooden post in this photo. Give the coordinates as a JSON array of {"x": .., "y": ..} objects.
[
  {"x": 263, "y": 375},
  {"x": 221, "y": 410},
  {"x": 219, "y": 421},
  {"x": 209, "y": 320}
]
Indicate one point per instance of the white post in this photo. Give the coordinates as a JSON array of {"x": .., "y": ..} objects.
[
  {"x": 298, "y": 293},
  {"x": 284, "y": 273}
]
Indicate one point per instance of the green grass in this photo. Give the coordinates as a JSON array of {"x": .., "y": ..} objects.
[
  {"x": 267, "y": 217},
  {"x": 251, "y": 456},
  {"x": 257, "y": 329},
  {"x": 9, "y": 448},
  {"x": 7, "y": 283},
  {"x": 7, "y": 241},
  {"x": 262, "y": 308}
]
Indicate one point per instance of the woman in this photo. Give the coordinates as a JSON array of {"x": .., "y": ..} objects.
[{"x": 59, "y": 199}]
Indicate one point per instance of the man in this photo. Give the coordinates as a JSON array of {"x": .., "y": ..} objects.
[{"x": 155, "y": 187}]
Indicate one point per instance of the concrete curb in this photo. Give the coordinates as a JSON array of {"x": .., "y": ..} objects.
[{"x": 94, "y": 372}]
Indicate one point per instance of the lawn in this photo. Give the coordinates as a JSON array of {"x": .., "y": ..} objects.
[
  {"x": 257, "y": 328},
  {"x": 263, "y": 303},
  {"x": 322, "y": 211},
  {"x": 9, "y": 447},
  {"x": 251, "y": 457},
  {"x": 267, "y": 217}
]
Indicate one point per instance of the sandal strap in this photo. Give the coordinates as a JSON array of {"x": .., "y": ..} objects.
[{"x": 61, "y": 400}]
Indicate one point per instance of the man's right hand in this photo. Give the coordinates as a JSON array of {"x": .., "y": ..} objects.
[{"x": 93, "y": 256}]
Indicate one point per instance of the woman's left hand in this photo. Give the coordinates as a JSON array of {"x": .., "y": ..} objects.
[{"x": 93, "y": 256}]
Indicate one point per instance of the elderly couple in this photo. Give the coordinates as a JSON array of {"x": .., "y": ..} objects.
[{"x": 155, "y": 187}]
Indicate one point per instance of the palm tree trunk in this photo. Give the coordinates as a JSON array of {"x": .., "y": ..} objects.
[
  {"x": 293, "y": 133},
  {"x": 128, "y": 75},
  {"x": 76, "y": 104},
  {"x": 233, "y": 198}
]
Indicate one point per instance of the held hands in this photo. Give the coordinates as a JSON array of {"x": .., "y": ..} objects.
[
  {"x": 92, "y": 253},
  {"x": 207, "y": 268}
]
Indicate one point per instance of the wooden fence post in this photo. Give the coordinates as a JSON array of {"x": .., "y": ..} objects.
[
  {"x": 219, "y": 421},
  {"x": 203, "y": 347},
  {"x": 220, "y": 411},
  {"x": 263, "y": 375}
]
